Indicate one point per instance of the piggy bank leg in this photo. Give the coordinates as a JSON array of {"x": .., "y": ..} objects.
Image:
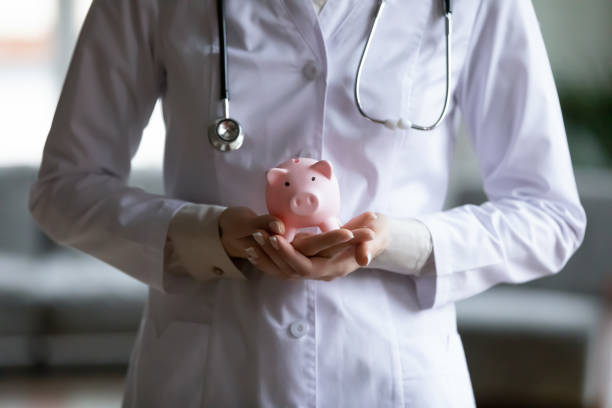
[
  {"x": 289, "y": 233},
  {"x": 330, "y": 224}
]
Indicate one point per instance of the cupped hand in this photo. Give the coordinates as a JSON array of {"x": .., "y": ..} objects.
[
  {"x": 377, "y": 223},
  {"x": 329, "y": 255},
  {"x": 370, "y": 237},
  {"x": 329, "y": 243},
  {"x": 236, "y": 228},
  {"x": 245, "y": 235},
  {"x": 323, "y": 256},
  {"x": 294, "y": 265}
]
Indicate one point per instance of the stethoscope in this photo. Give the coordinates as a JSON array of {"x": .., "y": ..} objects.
[{"x": 226, "y": 134}]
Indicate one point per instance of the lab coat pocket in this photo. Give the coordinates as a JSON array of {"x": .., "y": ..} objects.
[
  {"x": 195, "y": 305},
  {"x": 435, "y": 372},
  {"x": 172, "y": 369}
]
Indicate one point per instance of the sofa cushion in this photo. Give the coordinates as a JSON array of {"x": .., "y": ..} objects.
[
  {"x": 67, "y": 292},
  {"x": 19, "y": 233}
]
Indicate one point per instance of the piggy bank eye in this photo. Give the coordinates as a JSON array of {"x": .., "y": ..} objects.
[
  {"x": 287, "y": 184},
  {"x": 313, "y": 178}
]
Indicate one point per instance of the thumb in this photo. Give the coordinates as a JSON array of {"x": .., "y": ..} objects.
[
  {"x": 268, "y": 223},
  {"x": 363, "y": 253}
]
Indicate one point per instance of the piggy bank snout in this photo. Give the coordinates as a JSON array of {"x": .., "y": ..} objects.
[{"x": 304, "y": 204}]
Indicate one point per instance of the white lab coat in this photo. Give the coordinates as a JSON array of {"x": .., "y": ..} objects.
[{"x": 374, "y": 338}]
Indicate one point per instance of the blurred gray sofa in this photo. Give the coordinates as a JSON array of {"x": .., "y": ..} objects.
[{"x": 539, "y": 342}]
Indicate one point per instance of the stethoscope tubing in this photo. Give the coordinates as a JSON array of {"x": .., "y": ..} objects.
[
  {"x": 223, "y": 143},
  {"x": 224, "y": 88},
  {"x": 401, "y": 123}
]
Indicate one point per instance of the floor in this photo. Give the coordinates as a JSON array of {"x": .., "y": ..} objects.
[
  {"x": 104, "y": 390},
  {"x": 63, "y": 390}
]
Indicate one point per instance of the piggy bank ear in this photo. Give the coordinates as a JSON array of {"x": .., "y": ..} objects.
[
  {"x": 275, "y": 174},
  {"x": 324, "y": 167}
]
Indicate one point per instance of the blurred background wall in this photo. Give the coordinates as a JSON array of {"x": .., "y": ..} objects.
[{"x": 67, "y": 322}]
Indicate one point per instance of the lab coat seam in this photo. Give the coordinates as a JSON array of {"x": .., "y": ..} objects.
[
  {"x": 312, "y": 351},
  {"x": 396, "y": 359},
  {"x": 158, "y": 50},
  {"x": 204, "y": 389},
  {"x": 356, "y": 7},
  {"x": 461, "y": 78},
  {"x": 144, "y": 37},
  {"x": 410, "y": 81},
  {"x": 292, "y": 17}
]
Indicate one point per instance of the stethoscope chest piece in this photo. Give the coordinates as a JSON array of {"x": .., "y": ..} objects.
[{"x": 226, "y": 134}]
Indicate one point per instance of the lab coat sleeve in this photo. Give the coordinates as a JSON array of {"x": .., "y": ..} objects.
[
  {"x": 533, "y": 220},
  {"x": 194, "y": 244},
  {"x": 80, "y": 198}
]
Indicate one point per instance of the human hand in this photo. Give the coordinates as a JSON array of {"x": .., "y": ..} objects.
[
  {"x": 292, "y": 264},
  {"x": 329, "y": 243},
  {"x": 236, "y": 228},
  {"x": 328, "y": 255},
  {"x": 372, "y": 236},
  {"x": 244, "y": 234},
  {"x": 379, "y": 225},
  {"x": 320, "y": 257}
]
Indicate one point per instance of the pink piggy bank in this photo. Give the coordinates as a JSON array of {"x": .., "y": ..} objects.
[{"x": 303, "y": 192}]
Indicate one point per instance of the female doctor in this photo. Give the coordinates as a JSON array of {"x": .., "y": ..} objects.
[{"x": 361, "y": 317}]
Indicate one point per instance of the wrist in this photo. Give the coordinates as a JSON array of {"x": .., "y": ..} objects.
[{"x": 408, "y": 247}]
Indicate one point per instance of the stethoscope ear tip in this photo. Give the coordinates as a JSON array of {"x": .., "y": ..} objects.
[
  {"x": 390, "y": 124},
  {"x": 404, "y": 124},
  {"x": 401, "y": 124}
]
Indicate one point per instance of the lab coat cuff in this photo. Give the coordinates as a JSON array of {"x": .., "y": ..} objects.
[
  {"x": 220, "y": 263},
  {"x": 196, "y": 248},
  {"x": 408, "y": 249},
  {"x": 441, "y": 246},
  {"x": 432, "y": 285},
  {"x": 159, "y": 223},
  {"x": 432, "y": 290}
]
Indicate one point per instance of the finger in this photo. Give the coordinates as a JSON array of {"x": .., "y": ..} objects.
[
  {"x": 360, "y": 235},
  {"x": 254, "y": 223},
  {"x": 363, "y": 254},
  {"x": 298, "y": 262},
  {"x": 263, "y": 240},
  {"x": 362, "y": 220},
  {"x": 268, "y": 223},
  {"x": 340, "y": 265},
  {"x": 302, "y": 235},
  {"x": 257, "y": 257},
  {"x": 312, "y": 245},
  {"x": 345, "y": 262}
]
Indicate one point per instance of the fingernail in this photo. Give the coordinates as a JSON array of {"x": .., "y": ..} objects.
[
  {"x": 368, "y": 259},
  {"x": 258, "y": 236},
  {"x": 252, "y": 260},
  {"x": 351, "y": 235},
  {"x": 251, "y": 253},
  {"x": 274, "y": 242},
  {"x": 276, "y": 227}
]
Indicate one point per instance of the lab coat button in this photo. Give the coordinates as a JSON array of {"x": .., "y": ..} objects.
[
  {"x": 310, "y": 71},
  {"x": 218, "y": 271},
  {"x": 298, "y": 328}
]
